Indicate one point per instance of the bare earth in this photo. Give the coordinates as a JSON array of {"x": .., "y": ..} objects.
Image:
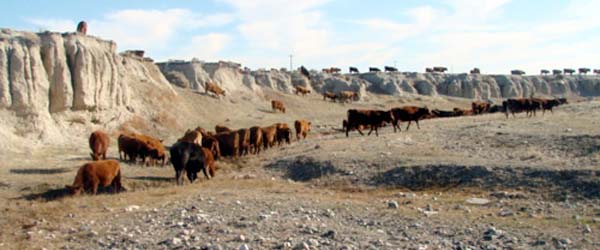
[{"x": 405, "y": 190}]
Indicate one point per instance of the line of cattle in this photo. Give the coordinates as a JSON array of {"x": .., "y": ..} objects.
[
  {"x": 374, "y": 119},
  {"x": 196, "y": 151}
]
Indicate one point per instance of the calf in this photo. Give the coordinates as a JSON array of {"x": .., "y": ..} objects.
[
  {"x": 102, "y": 173},
  {"x": 372, "y": 118},
  {"x": 99, "y": 142},
  {"x": 344, "y": 96},
  {"x": 442, "y": 113},
  {"x": 410, "y": 114},
  {"x": 132, "y": 147},
  {"x": 256, "y": 138},
  {"x": 277, "y": 105},
  {"x": 156, "y": 150},
  {"x": 302, "y": 128},
  {"x": 283, "y": 134}
]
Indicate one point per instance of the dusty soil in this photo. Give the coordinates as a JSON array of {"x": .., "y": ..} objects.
[{"x": 406, "y": 190}]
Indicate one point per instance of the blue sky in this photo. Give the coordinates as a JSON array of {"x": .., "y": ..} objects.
[{"x": 494, "y": 35}]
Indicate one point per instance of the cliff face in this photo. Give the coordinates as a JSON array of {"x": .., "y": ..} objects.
[
  {"x": 50, "y": 79},
  {"x": 471, "y": 86},
  {"x": 51, "y": 72}
]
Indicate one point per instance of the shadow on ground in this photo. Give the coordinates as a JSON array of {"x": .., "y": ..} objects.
[{"x": 40, "y": 170}]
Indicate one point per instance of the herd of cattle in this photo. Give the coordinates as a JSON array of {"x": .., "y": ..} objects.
[
  {"x": 197, "y": 150},
  {"x": 374, "y": 119}
]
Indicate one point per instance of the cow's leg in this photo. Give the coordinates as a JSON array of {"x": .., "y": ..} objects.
[
  {"x": 95, "y": 183},
  {"x": 417, "y": 121},
  {"x": 394, "y": 125},
  {"x": 205, "y": 171},
  {"x": 347, "y": 130},
  {"x": 359, "y": 131},
  {"x": 409, "y": 122}
]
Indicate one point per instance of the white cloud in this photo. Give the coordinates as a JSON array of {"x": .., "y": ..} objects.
[
  {"x": 141, "y": 29},
  {"x": 59, "y": 25},
  {"x": 204, "y": 47}
]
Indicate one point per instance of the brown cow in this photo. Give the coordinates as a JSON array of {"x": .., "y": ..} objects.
[
  {"x": 277, "y": 105},
  {"x": 132, "y": 147},
  {"x": 214, "y": 88},
  {"x": 221, "y": 129},
  {"x": 344, "y": 96},
  {"x": 256, "y": 139},
  {"x": 211, "y": 143},
  {"x": 520, "y": 105},
  {"x": 463, "y": 112},
  {"x": 329, "y": 95},
  {"x": 480, "y": 107},
  {"x": 302, "y": 90},
  {"x": 99, "y": 142},
  {"x": 410, "y": 114},
  {"x": 284, "y": 133},
  {"x": 229, "y": 143},
  {"x": 372, "y": 118},
  {"x": 244, "y": 143},
  {"x": 269, "y": 136},
  {"x": 192, "y": 136},
  {"x": 302, "y": 128},
  {"x": 156, "y": 149},
  {"x": 98, "y": 173}
]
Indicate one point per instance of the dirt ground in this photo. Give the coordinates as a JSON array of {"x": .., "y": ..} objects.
[{"x": 539, "y": 178}]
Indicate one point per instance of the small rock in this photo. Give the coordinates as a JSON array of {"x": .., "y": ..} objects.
[
  {"x": 569, "y": 130},
  {"x": 241, "y": 238},
  {"x": 176, "y": 241},
  {"x": 587, "y": 229},
  {"x": 393, "y": 204},
  {"x": 477, "y": 201},
  {"x": 313, "y": 242},
  {"x": 244, "y": 247},
  {"x": 132, "y": 208},
  {"x": 505, "y": 213},
  {"x": 317, "y": 146},
  {"x": 302, "y": 246},
  {"x": 329, "y": 234}
]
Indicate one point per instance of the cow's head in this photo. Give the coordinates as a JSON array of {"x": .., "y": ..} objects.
[{"x": 74, "y": 190}]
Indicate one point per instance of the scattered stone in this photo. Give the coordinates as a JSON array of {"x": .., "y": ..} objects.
[
  {"x": 244, "y": 247},
  {"x": 505, "y": 213},
  {"x": 329, "y": 234},
  {"x": 302, "y": 246},
  {"x": 393, "y": 204},
  {"x": 587, "y": 229},
  {"x": 477, "y": 201},
  {"x": 132, "y": 208},
  {"x": 176, "y": 241},
  {"x": 241, "y": 238}
]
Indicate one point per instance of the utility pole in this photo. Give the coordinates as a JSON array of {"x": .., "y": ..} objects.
[{"x": 291, "y": 68}]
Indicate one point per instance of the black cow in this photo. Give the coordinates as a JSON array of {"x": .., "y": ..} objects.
[
  {"x": 390, "y": 69},
  {"x": 188, "y": 157},
  {"x": 304, "y": 72},
  {"x": 354, "y": 70},
  {"x": 374, "y": 69}
]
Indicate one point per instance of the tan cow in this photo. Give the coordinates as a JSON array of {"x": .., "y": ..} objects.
[
  {"x": 302, "y": 128},
  {"x": 277, "y": 105},
  {"x": 214, "y": 88}
]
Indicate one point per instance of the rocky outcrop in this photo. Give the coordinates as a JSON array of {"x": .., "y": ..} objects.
[
  {"x": 472, "y": 86},
  {"x": 48, "y": 81},
  {"x": 52, "y": 72}
]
